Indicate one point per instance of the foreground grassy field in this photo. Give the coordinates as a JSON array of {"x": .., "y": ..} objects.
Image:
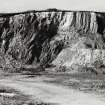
[
  {"x": 85, "y": 82},
  {"x": 10, "y": 96}
]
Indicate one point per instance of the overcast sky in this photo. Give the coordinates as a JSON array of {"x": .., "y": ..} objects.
[{"x": 23, "y": 5}]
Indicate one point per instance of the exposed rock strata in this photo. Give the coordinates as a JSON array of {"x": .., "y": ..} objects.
[{"x": 39, "y": 37}]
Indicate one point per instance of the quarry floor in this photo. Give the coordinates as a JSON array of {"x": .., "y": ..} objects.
[{"x": 58, "y": 89}]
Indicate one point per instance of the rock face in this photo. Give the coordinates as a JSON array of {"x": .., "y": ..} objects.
[{"x": 42, "y": 37}]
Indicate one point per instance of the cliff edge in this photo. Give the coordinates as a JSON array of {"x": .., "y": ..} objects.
[{"x": 64, "y": 38}]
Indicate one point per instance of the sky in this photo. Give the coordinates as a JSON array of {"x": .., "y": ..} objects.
[{"x": 24, "y": 5}]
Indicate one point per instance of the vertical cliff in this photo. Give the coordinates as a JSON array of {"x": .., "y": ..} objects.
[{"x": 39, "y": 36}]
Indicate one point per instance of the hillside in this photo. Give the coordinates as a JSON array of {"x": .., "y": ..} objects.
[{"x": 52, "y": 37}]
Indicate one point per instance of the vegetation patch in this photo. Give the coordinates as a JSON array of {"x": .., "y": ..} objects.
[{"x": 17, "y": 98}]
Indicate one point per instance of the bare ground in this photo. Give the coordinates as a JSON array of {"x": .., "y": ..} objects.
[{"x": 56, "y": 94}]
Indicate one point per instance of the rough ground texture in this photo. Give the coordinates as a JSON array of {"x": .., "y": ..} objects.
[
  {"x": 50, "y": 93},
  {"x": 52, "y": 37}
]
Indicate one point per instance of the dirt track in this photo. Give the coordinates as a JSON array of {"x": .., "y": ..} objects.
[{"x": 52, "y": 93}]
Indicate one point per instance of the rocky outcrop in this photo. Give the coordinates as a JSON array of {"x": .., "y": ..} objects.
[{"x": 40, "y": 36}]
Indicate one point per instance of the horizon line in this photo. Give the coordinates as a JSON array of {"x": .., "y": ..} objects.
[{"x": 51, "y": 10}]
